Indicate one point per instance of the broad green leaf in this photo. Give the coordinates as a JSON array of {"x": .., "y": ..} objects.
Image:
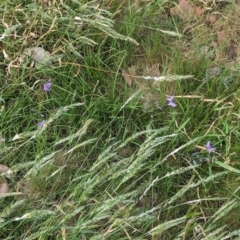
[{"x": 229, "y": 168}]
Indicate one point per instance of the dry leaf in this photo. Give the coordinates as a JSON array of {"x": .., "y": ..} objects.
[
  {"x": 186, "y": 11},
  {"x": 212, "y": 72},
  {"x": 127, "y": 78},
  {"x": 211, "y": 19},
  {"x": 197, "y": 12},
  {"x": 232, "y": 53},
  {"x": 3, "y": 188},
  {"x": 6, "y": 171},
  {"x": 128, "y": 75},
  {"x": 221, "y": 36},
  {"x": 207, "y": 52},
  {"x": 152, "y": 70}
]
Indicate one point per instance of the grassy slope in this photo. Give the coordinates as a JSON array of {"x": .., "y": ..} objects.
[{"x": 112, "y": 168}]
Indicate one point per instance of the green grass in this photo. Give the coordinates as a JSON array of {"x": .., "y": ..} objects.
[{"x": 113, "y": 161}]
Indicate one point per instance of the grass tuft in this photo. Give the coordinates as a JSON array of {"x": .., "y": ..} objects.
[{"x": 119, "y": 120}]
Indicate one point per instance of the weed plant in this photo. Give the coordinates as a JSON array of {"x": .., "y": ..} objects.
[{"x": 86, "y": 159}]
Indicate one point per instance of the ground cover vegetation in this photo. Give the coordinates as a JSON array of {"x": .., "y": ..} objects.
[{"x": 119, "y": 119}]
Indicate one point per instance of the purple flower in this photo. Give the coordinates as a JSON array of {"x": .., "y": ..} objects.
[
  {"x": 40, "y": 124},
  {"x": 171, "y": 101},
  {"x": 209, "y": 147},
  {"x": 47, "y": 86}
]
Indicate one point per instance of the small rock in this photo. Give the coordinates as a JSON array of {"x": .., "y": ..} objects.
[{"x": 212, "y": 72}]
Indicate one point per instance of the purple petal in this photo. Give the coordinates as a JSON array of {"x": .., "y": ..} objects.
[
  {"x": 47, "y": 86},
  {"x": 171, "y": 101},
  {"x": 172, "y": 104},
  {"x": 40, "y": 124},
  {"x": 209, "y": 147}
]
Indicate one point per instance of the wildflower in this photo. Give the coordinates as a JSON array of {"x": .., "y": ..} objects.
[
  {"x": 171, "y": 101},
  {"x": 47, "y": 86},
  {"x": 40, "y": 124},
  {"x": 209, "y": 147}
]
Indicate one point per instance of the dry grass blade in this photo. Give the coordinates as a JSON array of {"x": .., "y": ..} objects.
[
  {"x": 11, "y": 194},
  {"x": 169, "y": 78}
]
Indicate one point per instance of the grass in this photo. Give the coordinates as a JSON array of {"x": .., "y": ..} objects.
[{"x": 114, "y": 161}]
